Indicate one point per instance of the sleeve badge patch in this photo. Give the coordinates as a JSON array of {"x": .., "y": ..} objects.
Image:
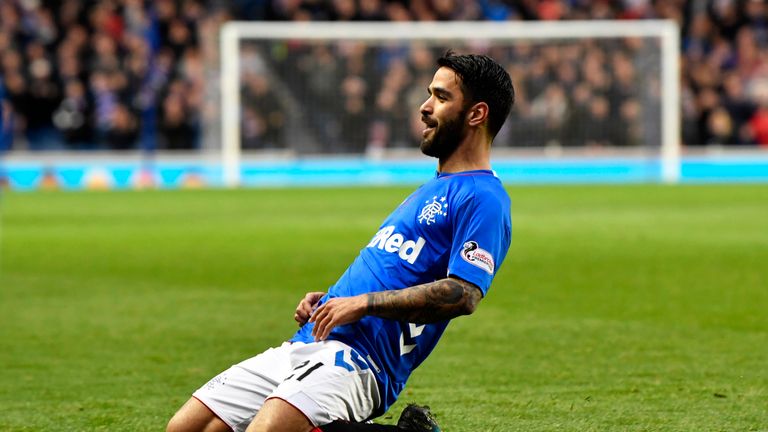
[{"x": 473, "y": 254}]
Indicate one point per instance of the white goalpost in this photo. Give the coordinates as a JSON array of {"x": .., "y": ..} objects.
[{"x": 234, "y": 34}]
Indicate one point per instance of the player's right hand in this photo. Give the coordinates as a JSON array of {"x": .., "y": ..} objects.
[{"x": 306, "y": 306}]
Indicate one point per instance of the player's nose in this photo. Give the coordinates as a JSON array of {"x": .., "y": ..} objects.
[{"x": 426, "y": 107}]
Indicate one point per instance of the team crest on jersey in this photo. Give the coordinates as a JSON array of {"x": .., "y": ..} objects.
[
  {"x": 473, "y": 254},
  {"x": 433, "y": 209}
]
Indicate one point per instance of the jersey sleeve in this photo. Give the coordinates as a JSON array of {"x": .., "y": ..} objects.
[{"x": 481, "y": 238}]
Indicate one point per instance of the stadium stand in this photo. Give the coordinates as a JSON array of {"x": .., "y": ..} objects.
[{"x": 129, "y": 74}]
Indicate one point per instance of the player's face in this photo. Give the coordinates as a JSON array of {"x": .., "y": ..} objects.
[{"x": 444, "y": 114}]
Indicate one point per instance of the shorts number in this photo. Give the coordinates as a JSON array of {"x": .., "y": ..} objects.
[
  {"x": 340, "y": 361},
  {"x": 306, "y": 372}
]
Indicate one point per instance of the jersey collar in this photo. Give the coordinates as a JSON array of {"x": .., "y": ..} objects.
[{"x": 439, "y": 174}]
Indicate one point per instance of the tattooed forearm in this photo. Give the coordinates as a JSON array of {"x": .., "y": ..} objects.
[{"x": 432, "y": 302}]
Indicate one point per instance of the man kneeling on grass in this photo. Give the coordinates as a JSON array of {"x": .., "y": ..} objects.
[{"x": 432, "y": 260}]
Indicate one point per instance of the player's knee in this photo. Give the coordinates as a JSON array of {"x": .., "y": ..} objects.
[
  {"x": 181, "y": 424},
  {"x": 175, "y": 425},
  {"x": 277, "y": 415},
  {"x": 194, "y": 416}
]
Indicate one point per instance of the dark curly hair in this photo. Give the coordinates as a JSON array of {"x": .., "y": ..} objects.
[{"x": 483, "y": 80}]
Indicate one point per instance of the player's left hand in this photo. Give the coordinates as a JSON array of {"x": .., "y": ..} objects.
[
  {"x": 335, "y": 312},
  {"x": 306, "y": 306}
]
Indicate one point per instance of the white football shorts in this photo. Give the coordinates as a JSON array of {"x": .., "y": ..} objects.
[{"x": 326, "y": 381}]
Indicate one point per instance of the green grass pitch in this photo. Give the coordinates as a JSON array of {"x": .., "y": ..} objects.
[{"x": 619, "y": 308}]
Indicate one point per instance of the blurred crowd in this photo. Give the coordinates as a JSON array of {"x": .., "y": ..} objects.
[
  {"x": 565, "y": 93},
  {"x": 112, "y": 74},
  {"x": 131, "y": 74}
]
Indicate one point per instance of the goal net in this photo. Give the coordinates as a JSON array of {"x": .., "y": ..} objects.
[{"x": 355, "y": 88}]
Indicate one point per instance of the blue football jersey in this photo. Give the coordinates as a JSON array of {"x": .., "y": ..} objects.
[{"x": 455, "y": 225}]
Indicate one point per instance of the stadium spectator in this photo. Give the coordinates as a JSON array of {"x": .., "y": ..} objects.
[
  {"x": 177, "y": 129},
  {"x": 122, "y": 130},
  {"x": 738, "y": 107},
  {"x": 720, "y": 129},
  {"x": 264, "y": 119},
  {"x": 759, "y": 120},
  {"x": 73, "y": 116},
  {"x": 550, "y": 110},
  {"x": 6, "y": 129}
]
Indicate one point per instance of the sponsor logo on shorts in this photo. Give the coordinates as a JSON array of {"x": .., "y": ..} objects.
[
  {"x": 473, "y": 254},
  {"x": 218, "y": 380}
]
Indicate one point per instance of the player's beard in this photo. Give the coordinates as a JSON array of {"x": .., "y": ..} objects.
[{"x": 445, "y": 137}]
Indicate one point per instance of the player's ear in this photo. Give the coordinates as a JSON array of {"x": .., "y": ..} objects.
[{"x": 477, "y": 114}]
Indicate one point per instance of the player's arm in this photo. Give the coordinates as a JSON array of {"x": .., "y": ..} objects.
[
  {"x": 422, "y": 304},
  {"x": 431, "y": 302}
]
